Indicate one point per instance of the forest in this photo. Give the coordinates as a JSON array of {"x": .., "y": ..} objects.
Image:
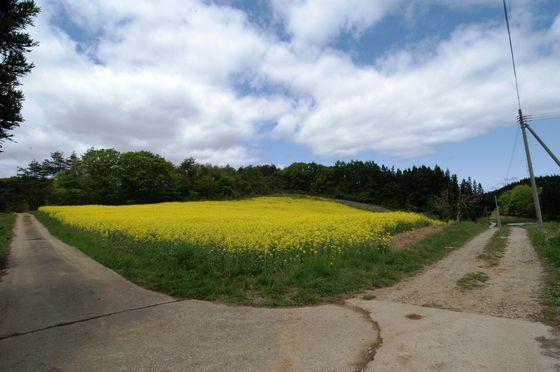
[{"x": 107, "y": 176}]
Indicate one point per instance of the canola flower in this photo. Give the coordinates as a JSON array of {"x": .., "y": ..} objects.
[{"x": 263, "y": 224}]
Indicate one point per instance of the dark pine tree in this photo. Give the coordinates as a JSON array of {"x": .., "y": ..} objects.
[{"x": 15, "y": 15}]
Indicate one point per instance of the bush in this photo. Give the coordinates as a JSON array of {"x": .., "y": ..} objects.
[{"x": 518, "y": 202}]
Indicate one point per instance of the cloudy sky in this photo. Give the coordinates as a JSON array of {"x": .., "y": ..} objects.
[{"x": 401, "y": 82}]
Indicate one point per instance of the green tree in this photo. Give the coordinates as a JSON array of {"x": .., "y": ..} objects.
[
  {"x": 58, "y": 163},
  {"x": 213, "y": 182},
  {"x": 100, "y": 170},
  {"x": 34, "y": 169},
  {"x": 69, "y": 186},
  {"x": 49, "y": 168},
  {"x": 503, "y": 202},
  {"x": 21, "y": 193},
  {"x": 187, "y": 171},
  {"x": 107, "y": 177},
  {"x": 15, "y": 16},
  {"x": 551, "y": 198},
  {"x": 521, "y": 202},
  {"x": 146, "y": 177},
  {"x": 299, "y": 177},
  {"x": 252, "y": 181}
]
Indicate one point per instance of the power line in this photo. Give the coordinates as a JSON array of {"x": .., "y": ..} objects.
[
  {"x": 512, "y": 55},
  {"x": 512, "y": 155},
  {"x": 551, "y": 113},
  {"x": 547, "y": 116}
]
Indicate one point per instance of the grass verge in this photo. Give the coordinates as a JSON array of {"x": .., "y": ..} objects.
[
  {"x": 546, "y": 241},
  {"x": 473, "y": 280},
  {"x": 188, "y": 272},
  {"x": 496, "y": 247},
  {"x": 507, "y": 219},
  {"x": 6, "y": 227}
]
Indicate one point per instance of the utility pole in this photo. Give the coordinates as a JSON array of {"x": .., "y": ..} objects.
[
  {"x": 523, "y": 126},
  {"x": 498, "y": 212},
  {"x": 530, "y": 166}
]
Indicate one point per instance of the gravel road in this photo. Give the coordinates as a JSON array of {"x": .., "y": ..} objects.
[{"x": 512, "y": 291}]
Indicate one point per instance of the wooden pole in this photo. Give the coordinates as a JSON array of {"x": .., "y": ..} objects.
[{"x": 498, "y": 212}]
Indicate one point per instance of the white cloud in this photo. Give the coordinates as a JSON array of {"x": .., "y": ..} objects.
[
  {"x": 161, "y": 80},
  {"x": 223, "y": 156},
  {"x": 188, "y": 78},
  {"x": 460, "y": 89},
  {"x": 317, "y": 22}
]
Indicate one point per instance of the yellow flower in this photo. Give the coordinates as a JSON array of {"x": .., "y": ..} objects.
[{"x": 264, "y": 224}]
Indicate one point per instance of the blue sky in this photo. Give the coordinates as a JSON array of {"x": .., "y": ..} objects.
[{"x": 236, "y": 82}]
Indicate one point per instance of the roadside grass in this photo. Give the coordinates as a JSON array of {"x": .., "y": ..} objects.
[
  {"x": 507, "y": 219},
  {"x": 6, "y": 227},
  {"x": 546, "y": 241},
  {"x": 187, "y": 271},
  {"x": 473, "y": 280},
  {"x": 496, "y": 247}
]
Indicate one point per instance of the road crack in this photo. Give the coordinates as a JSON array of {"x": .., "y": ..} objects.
[
  {"x": 63, "y": 324},
  {"x": 367, "y": 356}
]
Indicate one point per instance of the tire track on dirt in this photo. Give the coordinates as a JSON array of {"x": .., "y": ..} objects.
[{"x": 512, "y": 291}]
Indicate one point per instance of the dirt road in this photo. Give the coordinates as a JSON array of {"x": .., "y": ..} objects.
[
  {"x": 512, "y": 291},
  {"x": 419, "y": 332},
  {"x": 59, "y": 310}
]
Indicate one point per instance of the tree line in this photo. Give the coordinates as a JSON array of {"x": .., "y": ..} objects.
[
  {"x": 107, "y": 176},
  {"x": 516, "y": 199}
]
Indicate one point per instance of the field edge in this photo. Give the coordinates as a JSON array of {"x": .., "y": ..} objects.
[{"x": 157, "y": 268}]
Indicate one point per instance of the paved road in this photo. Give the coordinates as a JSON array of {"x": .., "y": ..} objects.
[
  {"x": 418, "y": 338},
  {"x": 60, "y": 310},
  {"x": 48, "y": 283}
]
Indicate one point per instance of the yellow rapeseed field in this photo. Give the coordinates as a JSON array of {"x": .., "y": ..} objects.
[{"x": 262, "y": 224}]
